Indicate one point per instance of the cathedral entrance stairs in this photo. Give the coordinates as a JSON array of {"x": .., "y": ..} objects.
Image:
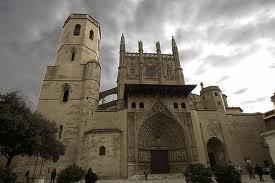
[{"x": 158, "y": 176}]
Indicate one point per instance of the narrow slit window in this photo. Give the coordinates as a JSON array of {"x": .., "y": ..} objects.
[
  {"x": 141, "y": 105},
  {"x": 102, "y": 151},
  {"x": 60, "y": 131},
  {"x": 77, "y": 29},
  {"x": 73, "y": 56},
  {"x": 91, "y": 36},
  {"x": 65, "y": 95},
  {"x": 175, "y": 105}
]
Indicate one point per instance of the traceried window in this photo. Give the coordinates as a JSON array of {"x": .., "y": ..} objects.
[
  {"x": 133, "y": 105},
  {"x": 141, "y": 105},
  {"x": 91, "y": 36},
  {"x": 102, "y": 151},
  {"x": 183, "y": 105},
  {"x": 77, "y": 29},
  {"x": 60, "y": 131},
  {"x": 169, "y": 71},
  {"x": 176, "y": 105}
]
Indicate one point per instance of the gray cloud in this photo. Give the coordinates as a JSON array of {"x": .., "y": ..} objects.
[
  {"x": 241, "y": 91},
  {"x": 189, "y": 54},
  {"x": 224, "y": 78},
  {"x": 230, "y": 60},
  {"x": 260, "y": 99},
  {"x": 29, "y": 39}
]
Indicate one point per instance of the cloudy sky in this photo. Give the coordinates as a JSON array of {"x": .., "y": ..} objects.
[{"x": 229, "y": 43}]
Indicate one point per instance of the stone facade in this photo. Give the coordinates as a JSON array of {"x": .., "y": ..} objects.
[
  {"x": 269, "y": 134},
  {"x": 154, "y": 116}
]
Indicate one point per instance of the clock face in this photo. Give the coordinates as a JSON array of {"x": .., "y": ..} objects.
[{"x": 151, "y": 71}]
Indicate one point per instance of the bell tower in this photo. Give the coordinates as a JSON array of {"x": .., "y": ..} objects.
[
  {"x": 70, "y": 89},
  {"x": 79, "y": 41}
]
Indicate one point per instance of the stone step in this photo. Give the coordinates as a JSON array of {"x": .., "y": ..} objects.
[{"x": 157, "y": 176}]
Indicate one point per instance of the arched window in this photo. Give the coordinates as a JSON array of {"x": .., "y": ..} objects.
[
  {"x": 77, "y": 29},
  {"x": 175, "y": 105},
  {"x": 141, "y": 105},
  {"x": 60, "y": 131},
  {"x": 183, "y": 105},
  {"x": 65, "y": 91},
  {"x": 102, "y": 151},
  {"x": 91, "y": 36},
  {"x": 133, "y": 105},
  {"x": 65, "y": 95},
  {"x": 73, "y": 55}
]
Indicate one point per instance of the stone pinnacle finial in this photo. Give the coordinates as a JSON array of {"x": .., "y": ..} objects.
[
  {"x": 174, "y": 45},
  {"x": 122, "y": 43},
  {"x": 158, "y": 47},
  {"x": 140, "y": 46},
  {"x": 202, "y": 85}
]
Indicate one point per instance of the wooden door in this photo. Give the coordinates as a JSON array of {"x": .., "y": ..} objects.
[{"x": 159, "y": 162}]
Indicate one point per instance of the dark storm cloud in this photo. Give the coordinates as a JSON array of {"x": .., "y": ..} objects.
[
  {"x": 241, "y": 91},
  {"x": 212, "y": 10}
]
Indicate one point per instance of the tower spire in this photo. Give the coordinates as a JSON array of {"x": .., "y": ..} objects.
[
  {"x": 122, "y": 43},
  {"x": 178, "y": 69}
]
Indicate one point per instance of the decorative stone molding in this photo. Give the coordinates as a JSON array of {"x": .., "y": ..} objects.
[{"x": 214, "y": 130}]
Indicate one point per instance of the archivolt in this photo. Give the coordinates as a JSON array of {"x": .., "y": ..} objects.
[{"x": 161, "y": 132}]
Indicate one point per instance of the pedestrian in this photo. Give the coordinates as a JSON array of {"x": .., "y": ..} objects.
[
  {"x": 27, "y": 176},
  {"x": 91, "y": 176},
  {"x": 250, "y": 171},
  {"x": 145, "y": 174},
  {"x": 53, "y": 175},
  {"x": 259, "y": 171}
]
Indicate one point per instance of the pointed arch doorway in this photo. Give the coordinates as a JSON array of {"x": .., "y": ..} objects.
[
  {"x": 162, "y": 144},
  {"x": 216, "y": 152}
]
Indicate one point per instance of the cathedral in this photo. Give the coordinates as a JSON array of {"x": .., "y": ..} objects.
[{"x": 155, "y": 124}]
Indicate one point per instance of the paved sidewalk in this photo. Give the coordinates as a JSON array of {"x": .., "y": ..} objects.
[{"x": 245, "y": 179}]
